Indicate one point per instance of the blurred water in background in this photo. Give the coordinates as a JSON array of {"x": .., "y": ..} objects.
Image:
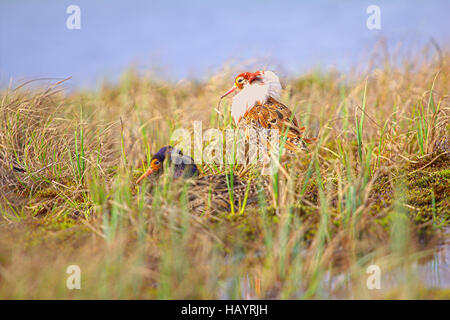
[{"x": 192, "y": 39}]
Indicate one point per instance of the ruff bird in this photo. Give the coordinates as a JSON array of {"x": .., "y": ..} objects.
[
  {"x": 256, "y": 105},
  {"x": 213, "y": 193}
]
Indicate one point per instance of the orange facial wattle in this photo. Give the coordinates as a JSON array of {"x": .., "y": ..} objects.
[
  {"x": 153, "y": 169},
  {"x": 249, "y": 76}
]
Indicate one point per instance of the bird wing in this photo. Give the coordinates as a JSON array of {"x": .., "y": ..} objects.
[{"x": 275, "y": 115}]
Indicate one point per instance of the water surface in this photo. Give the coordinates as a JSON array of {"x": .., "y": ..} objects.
[{"x": 192, "y": 39}]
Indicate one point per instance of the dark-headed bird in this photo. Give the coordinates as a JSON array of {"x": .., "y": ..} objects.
[{"x": 213, "y": 193}]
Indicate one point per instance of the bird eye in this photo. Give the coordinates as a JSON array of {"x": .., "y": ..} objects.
[{"x": 239, "y": 80}]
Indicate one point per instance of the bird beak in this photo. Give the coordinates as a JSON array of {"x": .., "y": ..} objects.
[
  {"x": 145, "y": 175},
  {"x": 228, "y": 92}
]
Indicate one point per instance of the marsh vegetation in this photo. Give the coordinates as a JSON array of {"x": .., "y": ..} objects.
[{"x": 374, "y": 189}]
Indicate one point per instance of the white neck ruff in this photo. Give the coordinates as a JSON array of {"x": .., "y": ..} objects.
[{"x": 259, "y": 91}]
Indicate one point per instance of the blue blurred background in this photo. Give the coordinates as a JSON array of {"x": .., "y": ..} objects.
[{"x": 193, "y": 39}]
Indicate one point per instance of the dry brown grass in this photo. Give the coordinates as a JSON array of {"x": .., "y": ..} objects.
[{"x": 363, "y": 195}]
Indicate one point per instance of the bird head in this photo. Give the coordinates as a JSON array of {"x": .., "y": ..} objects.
[
  {"x": 242, "y": 80},
  {"x": 183, "y": 165},
  {"x": 156, "y": 163},
  {"x": 250, "y": 89}
]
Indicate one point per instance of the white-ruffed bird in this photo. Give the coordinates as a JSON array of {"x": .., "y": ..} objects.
[{"x": 256, "y": 104}]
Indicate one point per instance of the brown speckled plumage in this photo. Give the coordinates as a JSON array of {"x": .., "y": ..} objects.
[{"x": 275, "y": 115}]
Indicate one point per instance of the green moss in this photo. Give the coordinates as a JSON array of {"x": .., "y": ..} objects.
[
  {"x": 426, "y": 188},
  {"x": 428, "y": 194},
  {"x": 61, "y": 234}
]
